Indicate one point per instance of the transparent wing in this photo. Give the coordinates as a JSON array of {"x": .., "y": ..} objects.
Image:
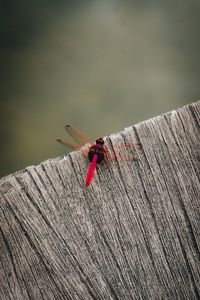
[
  {"x": 68, "y": 144},
  {"x": 77, "y": 136},
  {"x": 109, "y": 154}
]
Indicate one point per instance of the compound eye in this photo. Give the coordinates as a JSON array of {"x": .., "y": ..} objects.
[{"x": 100, "y": 141}]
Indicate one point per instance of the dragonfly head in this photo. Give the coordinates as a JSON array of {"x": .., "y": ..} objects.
[{"x": 99, "y": 141}]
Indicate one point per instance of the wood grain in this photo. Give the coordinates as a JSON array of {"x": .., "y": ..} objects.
[{"x": 134, "y": 233}]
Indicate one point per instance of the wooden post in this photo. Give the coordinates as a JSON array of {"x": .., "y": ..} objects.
[{"x": 134, "y": 233}]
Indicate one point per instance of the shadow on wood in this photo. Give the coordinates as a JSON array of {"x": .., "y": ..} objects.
[{"x": 134, "y": 233}]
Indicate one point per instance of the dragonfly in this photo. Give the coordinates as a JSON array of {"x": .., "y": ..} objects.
[{"x": 96, "y": 153}]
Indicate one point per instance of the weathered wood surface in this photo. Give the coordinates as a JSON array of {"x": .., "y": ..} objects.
[{"x": 133, "y": 234}]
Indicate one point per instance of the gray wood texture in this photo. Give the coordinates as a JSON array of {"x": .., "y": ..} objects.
[{"x": 134, "y": 233}]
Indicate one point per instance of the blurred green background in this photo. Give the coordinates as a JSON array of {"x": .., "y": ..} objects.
[{"x": 97, "y": 65}]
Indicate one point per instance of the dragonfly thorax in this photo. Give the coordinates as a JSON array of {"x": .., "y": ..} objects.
[{"x": 98, "y": 150}]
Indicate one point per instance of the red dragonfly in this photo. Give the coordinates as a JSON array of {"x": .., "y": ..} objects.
[{"x": 96, "y": 153}]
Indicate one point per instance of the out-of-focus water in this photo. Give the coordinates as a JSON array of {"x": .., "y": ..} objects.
[{"x": 98, "y": 65}]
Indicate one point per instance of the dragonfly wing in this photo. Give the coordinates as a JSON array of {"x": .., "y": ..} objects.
[
  {"x": 77, "y": 136},
  {"x": 68, "y": 144},
  {"x": 91, "y": 170}
]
